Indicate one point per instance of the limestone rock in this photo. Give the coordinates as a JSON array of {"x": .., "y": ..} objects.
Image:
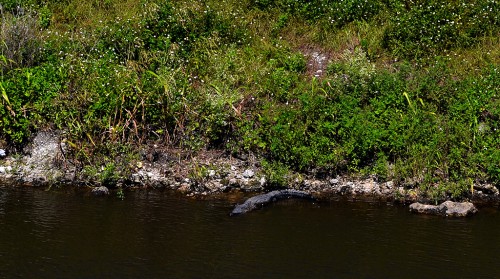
[
  {"x": 447, "y": 208},
  {"x": 334, "y": 181},
  {"x": 262, "y": 181},
  {"x": 248, "y": 173},
  {"x": 487, "y": 189},
  {"x": 100, "y": 191},
  {"x": 41, "y": 165},
  {"x": 6, "y": 169},
  {"x": 425, "y": 208},
  {"x": 458, "y": 209}
]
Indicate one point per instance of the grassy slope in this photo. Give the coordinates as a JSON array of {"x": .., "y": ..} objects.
[{"x": 410, "y": 92}]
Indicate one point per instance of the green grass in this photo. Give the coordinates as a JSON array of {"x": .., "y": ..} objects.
[{"x": 410, "y": 91}]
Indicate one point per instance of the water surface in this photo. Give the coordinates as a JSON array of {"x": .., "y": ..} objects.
[{"x": 60, "y": 234}]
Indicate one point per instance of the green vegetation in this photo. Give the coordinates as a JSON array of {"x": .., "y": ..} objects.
[{"x": 407, "y": 91}]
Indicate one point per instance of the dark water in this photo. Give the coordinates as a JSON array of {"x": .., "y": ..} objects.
[{"x": 161, "y": 235}]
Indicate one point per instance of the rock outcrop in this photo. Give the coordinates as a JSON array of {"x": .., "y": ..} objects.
[
  {"x": 40, "y": 165},
  {"x": 447, "y": 208}
]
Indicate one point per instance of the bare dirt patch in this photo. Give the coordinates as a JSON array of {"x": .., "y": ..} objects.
[{"x": 317, "y": 60}]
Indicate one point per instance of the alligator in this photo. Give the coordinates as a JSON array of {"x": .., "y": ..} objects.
[{"x": 261, "y": 200}]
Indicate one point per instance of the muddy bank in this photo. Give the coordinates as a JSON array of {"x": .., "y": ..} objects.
[{"x": 44, "y": 163}]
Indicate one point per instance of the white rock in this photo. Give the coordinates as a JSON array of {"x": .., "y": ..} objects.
[
  {"x": 334, "y": 181},
  {"x": 248, "y": 173},
  {"x": 262, "y": 181},
  {"x": 136, "y": 177},
  {"x": 233, "y": 182}
]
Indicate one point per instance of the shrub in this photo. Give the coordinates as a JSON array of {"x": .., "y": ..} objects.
[
  {"x": 277, "y": 174},
  {"x": 16, "y": 7},
  {"x": 185, "y": 26},
  {"x": 121, "y": 38},
  {"x": 334, "y": 13},
  {"x": 20, "y": 40},
  {"x": 27, "y": 99},
  {"x": 427, "y": 26}
]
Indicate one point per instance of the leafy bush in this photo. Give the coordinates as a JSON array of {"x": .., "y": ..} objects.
[
  {"x": 17, "y": 7},
  {"x": 427, "y": 26},
  {"x": 27, "y": 96},
  {"x": 121, "y": 38},
  {"x": 432, "y": 128},
  {"x": 277, "y": 174},
  {"x": 184, "y": 26},
  {"x": 334, "y": 13}
]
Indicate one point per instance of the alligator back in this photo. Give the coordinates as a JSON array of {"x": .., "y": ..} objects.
[{"x": 263, "y": 199}]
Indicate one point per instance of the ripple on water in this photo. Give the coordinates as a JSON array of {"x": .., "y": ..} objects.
[{"x": 160, "y": 235}]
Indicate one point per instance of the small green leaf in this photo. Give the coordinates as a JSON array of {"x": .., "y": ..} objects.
[{"x": 4, "y": 94}]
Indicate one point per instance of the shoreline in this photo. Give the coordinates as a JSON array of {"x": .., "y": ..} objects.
[{"x": 208, "y": 173}]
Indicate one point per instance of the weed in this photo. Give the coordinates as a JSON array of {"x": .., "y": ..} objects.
[
  {"x": 426, "y": 27},
  {"x": 20, "y": 40},
  {"x": 277, "y": 174},
  {"x": 120, "y": 194}
]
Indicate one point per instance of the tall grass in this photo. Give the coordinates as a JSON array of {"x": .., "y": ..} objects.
[{"x": 20, "y": 40}]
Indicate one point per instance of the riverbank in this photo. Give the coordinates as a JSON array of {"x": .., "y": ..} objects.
[
  {"x": 218, "y": 96},
  {"x": 202, "y": 175}
]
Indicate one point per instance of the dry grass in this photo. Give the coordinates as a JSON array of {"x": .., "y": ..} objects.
[{"x": 20, "y": 40}]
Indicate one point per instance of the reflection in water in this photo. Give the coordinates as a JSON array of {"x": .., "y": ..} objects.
[
  {"x": 161, "y": 235},
  {"x": 3, "y": 199}
]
